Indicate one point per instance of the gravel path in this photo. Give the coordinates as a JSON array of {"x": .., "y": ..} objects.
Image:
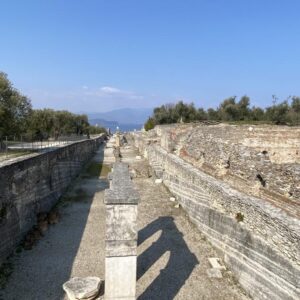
[{"x": 172, "y": 253}]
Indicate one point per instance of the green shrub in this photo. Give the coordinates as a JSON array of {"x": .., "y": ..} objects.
[{"x": 149, "y": 124}]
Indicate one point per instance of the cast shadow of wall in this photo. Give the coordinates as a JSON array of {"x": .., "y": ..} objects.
[{"x": 179, "y": 267}]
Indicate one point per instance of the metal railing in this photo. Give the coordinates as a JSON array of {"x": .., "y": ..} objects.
[{"x": 14, "y": 146}]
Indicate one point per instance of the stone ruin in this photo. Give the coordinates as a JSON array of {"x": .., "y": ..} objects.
[
  {"x": 258, "y": 160},
  {"x": 240, "y": 185},
  {"x": 121, "y": 201}
]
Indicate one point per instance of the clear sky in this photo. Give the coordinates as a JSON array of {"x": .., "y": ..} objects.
[{"x": 97, "y": 55}]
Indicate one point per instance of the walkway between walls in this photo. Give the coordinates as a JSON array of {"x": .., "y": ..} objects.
[{"x": 172, "y": 253}]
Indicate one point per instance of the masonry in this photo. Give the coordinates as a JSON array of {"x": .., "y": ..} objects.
[
  {"x": 32, "y": 185},
  {"x": 252, "y": 220},
  {"x": 121, "y": 201}
]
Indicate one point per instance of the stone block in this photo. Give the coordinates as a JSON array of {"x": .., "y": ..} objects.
[
  {"x": 120, "y": 248},
  {"x": 115, "y": 196},
  {"x": 121, "y": 222},
  {"x": 82, "y": 288},
  {"x": 215, "y": 263},
  {"x": 120, "y": 277}
]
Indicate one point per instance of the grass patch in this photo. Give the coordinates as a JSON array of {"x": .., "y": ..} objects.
[
  {"x": 239, "y": 217},
  {"x": 95, "y": 169}
]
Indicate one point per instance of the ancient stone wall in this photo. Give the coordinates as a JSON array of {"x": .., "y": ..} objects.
[
  {"x": 261, "y": 160},
  {"x": 32, "y": 185},
  {"x": 259, "y": 240}
]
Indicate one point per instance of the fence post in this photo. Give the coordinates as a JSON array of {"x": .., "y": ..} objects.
[{"x": 121, "y": 201}]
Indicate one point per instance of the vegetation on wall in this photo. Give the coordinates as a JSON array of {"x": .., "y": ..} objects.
[
  {"x": 230, "y": 110},
  {"x": 18, "y": 118}
]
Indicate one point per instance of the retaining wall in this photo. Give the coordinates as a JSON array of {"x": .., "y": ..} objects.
[{"x": 32, "y": 185}]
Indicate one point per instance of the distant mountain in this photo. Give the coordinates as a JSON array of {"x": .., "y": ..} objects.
[
  {"x": 124, "y": 115},
  {"x": 127, "y": 119},
  {"x": 103, "y": 123},
  {"x": 113, "y": 125}
]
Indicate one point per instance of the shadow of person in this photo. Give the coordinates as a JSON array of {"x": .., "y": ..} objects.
[{"x": 179, "y": 267}]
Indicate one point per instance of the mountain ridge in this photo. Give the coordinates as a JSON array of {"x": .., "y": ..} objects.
[{"x": 123, "y": 115}]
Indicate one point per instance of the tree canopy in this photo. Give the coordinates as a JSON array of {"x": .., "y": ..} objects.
[
  {"x": 15, "y": 108},
  {"x": 18, "y": 118},
  {"x": 229, "y": 110}
]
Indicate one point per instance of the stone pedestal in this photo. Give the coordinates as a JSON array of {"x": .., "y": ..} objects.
[
  {"x": 121, "y": 201},
  {"x": 118, "y": 139}
]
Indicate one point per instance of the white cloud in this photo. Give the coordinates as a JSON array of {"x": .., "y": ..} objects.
[{"x": 110, "y": 90}]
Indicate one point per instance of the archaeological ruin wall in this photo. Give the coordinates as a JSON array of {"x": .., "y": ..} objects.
[
  {"x": 32, "y": 185},
  {"x": 261, "y": 160},
  {"x": 212, "y": 171}
]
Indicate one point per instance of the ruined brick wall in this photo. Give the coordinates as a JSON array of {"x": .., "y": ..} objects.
[
  {"x": 259, "y": 241},
  {"x": 29, "y": 186}
]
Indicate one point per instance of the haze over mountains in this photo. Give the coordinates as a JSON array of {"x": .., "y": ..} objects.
[{"x": 125, "y": 118}]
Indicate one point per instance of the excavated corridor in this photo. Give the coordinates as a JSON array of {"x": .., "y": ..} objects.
[{"x": 172, "y": 253}]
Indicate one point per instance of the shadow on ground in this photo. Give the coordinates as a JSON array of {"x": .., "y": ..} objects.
[{"x": 179, "y": 267}]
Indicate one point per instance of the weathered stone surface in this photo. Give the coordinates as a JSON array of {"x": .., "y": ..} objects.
[
  {"x": 121, "y": 222},
  {"x": 267, "y": 155},
  {"x": 121, "y": 201},
  {"x": 120, "y": 248},
  {"x": 79, "y": 288},
  {"x": 117, "y": 153},
  {"x": 214, "y": 261},
  {"x": 118, "y": 139},
  {"x": 120, "y": 277},
  {"x": 263, "y": 249},
  {"x": 116, "y": 196},
  {"x": 121, "y": 189}
]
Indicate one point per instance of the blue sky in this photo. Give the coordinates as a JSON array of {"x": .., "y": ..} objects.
[{"x": 95, "y": 55}]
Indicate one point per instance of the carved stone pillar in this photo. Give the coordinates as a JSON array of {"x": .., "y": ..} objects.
[{"x": 121, "y": 201}]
